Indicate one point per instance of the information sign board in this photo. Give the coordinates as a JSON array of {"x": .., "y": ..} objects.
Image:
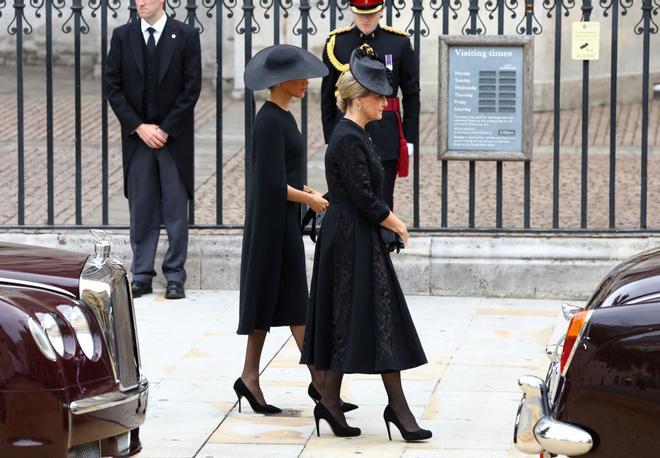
[{"x": 485, "y": 102}]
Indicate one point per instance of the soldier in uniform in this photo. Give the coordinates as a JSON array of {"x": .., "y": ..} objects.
[{"x": 394, "y": 134}]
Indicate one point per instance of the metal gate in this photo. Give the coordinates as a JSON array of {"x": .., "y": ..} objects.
[{"x": 476, "y": 17}]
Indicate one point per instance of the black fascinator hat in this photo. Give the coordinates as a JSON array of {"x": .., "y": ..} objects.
[
  {"x": 279, "y": 63},
  {"x": 369, "y": 71}
]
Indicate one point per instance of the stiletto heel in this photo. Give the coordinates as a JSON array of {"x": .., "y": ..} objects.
[
  {"x": 322, "y": 412},
  {"x": 242, "y": 391},
  {"x": 316, "y": 397},
  {"x": 419, "y": 435}
]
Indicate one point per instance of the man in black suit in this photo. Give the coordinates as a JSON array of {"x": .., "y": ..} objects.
[
  {"x": 394, "y": 135},
  {"x": 153, "y": 74}
]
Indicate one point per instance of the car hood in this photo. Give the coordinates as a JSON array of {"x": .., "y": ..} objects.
[
  {"x": 47, "y": 266},
  {"x": 636, "y": 277}
]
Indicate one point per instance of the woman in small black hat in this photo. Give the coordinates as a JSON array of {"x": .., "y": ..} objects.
[
  {"x": 358, "y": 320},
  {"x": 273, "y": 284}
]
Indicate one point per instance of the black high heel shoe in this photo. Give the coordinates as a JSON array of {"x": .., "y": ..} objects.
[
  {"x": 242, "y": 391},
  {"x": 322, "y": 412},
  {"x": 419, "y": 435},
  {"x": 316, "y": 397}
]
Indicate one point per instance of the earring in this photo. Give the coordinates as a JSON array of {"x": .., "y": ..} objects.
[{"x": 360, "y": 107}]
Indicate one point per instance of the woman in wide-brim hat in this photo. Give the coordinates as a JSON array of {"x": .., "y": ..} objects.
[
  {"x": 358, "y": 320},
  {"x": 273, "y": 284}
]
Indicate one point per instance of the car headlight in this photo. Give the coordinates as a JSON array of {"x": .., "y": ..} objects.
[
  {"x": 53, "y": 331},
  {"x": 78, "y": 321},
  {"x": 42, "y": 341}
]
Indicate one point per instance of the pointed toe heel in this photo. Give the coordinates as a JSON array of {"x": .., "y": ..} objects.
[
  {"x": 316, "y": 397},
  {"x": 409, "y": 436},
  {"x": 322, "y": 412},
  {"x": 242, "y": 391}
]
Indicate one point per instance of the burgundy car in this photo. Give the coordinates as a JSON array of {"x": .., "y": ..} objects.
[
  {"x": 70, "y": 377},
  {"x": 601, "y": 395}
]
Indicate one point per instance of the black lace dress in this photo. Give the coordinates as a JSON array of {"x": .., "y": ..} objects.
[{"x": 358, "y": 320}]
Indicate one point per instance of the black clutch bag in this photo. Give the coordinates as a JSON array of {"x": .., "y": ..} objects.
[{"x": 392, "y": 240}]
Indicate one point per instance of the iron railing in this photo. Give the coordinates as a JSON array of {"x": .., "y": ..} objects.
[{"x": 526, "y": 14}]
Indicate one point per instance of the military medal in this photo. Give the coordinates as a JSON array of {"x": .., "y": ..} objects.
[{"x": 388, "y": 62}]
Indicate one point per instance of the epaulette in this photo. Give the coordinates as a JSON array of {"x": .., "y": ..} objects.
[
  {"x": 330, "y": 49},
  {"x": 393, "y": 30},
  {"x": 341, "y": 30}
]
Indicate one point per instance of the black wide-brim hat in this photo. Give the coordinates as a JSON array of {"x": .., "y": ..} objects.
[
  {"x": 279, "y": 63},
  {"x": 370, "y": 72}
]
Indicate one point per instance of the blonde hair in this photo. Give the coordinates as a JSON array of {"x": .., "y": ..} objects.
[{"x": 348, "y": 89}]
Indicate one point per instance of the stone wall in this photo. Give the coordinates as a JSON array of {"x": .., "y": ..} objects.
[{"x": 564, "y": 267}]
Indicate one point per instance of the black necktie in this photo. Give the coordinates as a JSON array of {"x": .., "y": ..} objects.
[{"x": 151, "y": 42}]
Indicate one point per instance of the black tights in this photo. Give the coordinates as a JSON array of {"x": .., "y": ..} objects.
[{"x": 395, "y": 397}]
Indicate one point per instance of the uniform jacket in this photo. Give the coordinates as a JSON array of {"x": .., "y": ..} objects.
[
  {"x": 385, "y": 41},
  {"x": 179, "y": 85}
]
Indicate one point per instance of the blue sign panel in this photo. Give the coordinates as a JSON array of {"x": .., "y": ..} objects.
[{"x": 485, "y": 98}]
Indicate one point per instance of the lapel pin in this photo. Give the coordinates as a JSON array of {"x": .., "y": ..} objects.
[{"x": 174, "y": 35}]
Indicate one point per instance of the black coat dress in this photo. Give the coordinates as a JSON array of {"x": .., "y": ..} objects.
[
  {"x": 273, "y": 277},
  {"x": 358, "y": 320}
]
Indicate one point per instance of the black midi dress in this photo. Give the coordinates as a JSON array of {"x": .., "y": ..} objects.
[
  {"x": 358, "y": 320},
  {"x": 273, "y": 284}
]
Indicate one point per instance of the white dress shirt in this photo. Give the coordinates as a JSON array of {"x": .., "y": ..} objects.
[{"x": 158, "y": 27}]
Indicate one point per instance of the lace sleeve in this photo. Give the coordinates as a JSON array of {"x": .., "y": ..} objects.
[{"x": 354, "y": 170}]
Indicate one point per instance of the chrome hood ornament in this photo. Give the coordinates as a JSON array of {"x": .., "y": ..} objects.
[{"x": 102, "y": 244}]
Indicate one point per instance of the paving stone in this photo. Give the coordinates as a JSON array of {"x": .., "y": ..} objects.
[
  {"x": 250, "y": 428},
  {"x": 467, "y": 395},
  {"x": 367, "y": 445},
  {"x": 250, "y": 450}
]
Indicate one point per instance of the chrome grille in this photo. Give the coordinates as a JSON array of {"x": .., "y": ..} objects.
[
  {"x": 126, "y": 348},
  {"x": 104, "y": 288}
]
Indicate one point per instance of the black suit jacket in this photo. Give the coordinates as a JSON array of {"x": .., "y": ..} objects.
[
  {"x": 384, "y": 41},
  {"x": 179, "y": 84}
]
